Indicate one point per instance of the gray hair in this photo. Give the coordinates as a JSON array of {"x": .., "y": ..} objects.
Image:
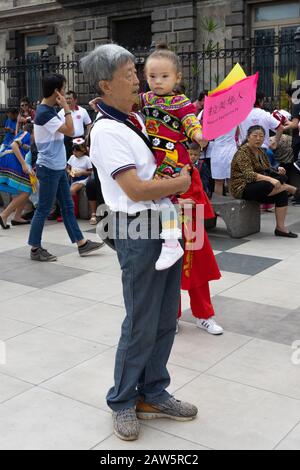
[{"x": 102, "y": 63}]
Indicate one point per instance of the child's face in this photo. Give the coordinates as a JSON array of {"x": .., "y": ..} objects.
[
  {"x": 194, "y": 156},
  {"x": 78, "y": 153},
  {"x": 162, "y": 76}
]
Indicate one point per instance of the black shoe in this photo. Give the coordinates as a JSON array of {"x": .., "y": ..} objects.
[
  {"x": 5, "y": 227},
  {"x": 15, "y": 223},
  {"x": 28, "y": 216},
  {"x": 42, "y": 255},
  {"x": 279, "y": 233},
  {"x": 89, "y": 247}
]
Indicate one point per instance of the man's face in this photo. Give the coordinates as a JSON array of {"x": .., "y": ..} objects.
[
  {"x": 71, "y": 101},
  {"x": 124, "y": 87}
]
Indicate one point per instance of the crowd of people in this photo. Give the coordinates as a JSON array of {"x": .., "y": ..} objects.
[{"x": 144, "y": 164}]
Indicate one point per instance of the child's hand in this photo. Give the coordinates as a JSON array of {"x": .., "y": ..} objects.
[{"x": 198, "y": 138}]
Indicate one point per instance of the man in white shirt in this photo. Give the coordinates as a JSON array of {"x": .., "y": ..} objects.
[
  {"x": 81, "y": 120},
  {"x": 125, "y": 164},
  {"x": 260, "y": 117}
]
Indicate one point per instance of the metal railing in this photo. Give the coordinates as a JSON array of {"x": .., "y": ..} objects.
[{"x": 274, "y": 58}]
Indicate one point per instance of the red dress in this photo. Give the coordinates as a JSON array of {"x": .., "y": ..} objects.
[
  {"x": 199, "y": 266},
  {"x": 170, "y": 122}
]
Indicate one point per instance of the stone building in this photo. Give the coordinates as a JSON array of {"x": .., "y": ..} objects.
[{"x": 65, "y": 27}]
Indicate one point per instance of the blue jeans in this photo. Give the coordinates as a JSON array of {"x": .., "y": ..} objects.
[
  {"x": 148, "y": 331},
  {"x": 53, "y": 185}
]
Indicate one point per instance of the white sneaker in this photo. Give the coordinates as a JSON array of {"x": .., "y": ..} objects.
[
  {"x": 210, "y": 326},
  {"x": 168, "y": 257}
]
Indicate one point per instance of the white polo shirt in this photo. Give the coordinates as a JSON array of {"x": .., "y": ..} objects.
[
  {"x": 259, "y": 117},
  {"x": 116, "y": 148},
  {"x": 81, "y": 119}
]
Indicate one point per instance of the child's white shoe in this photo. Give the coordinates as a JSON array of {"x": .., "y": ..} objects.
[{"x": 169, "y": 256}]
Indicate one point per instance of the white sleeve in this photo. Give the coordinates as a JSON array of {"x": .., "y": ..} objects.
[
  {"x": 110, "y": 151},
  {"x": 71, "y": 161},
  {"x": 53, "y": 125},
  {"x": 88, "y": 163},
  {"x": 273, "y": 123},
  {"x": 86, "y": 118}
]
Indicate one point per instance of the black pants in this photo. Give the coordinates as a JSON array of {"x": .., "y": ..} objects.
[
  {"x": 259, "y": 192},
  {"x": 93, "y": 189}
]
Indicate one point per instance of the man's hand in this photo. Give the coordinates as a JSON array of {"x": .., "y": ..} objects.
[
  {"x": 61, "y": 100},
  {"x": 186, "y": 178}
]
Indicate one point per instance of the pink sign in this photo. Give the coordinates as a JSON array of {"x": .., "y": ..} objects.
[{"x": 226, "y": 109}]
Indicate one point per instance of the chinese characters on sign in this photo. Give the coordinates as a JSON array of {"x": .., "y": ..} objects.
[{"x": 226, "y": 109}]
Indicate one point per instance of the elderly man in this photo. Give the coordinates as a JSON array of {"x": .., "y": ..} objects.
[{"x": 125, "y": 164}]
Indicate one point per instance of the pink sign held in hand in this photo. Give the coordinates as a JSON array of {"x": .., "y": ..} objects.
[{"x": 226, "y": 109}]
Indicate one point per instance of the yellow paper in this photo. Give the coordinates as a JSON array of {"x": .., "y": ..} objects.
[
  {"x": 236, "y": 75},
  {"x": 34, "y": 183}
]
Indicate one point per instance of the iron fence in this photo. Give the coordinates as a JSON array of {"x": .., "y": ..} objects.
[{"x": 274, "y": 58}]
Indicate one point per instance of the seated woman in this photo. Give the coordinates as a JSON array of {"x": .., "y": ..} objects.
[
  {"x": 15, "y": 173},
  {"x": 253, "y": 179}
]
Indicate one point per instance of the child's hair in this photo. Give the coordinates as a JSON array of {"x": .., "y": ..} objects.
[
  {"x": 80, "y": 145},
  {"x": 13, "y": 111},
  {"x": 194, "y": 146},
  {"x": 163, "y": 52}
]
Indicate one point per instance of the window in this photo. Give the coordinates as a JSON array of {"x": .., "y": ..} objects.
[
  {"x": 133, "y": 33},
  {"x": 273, "y": 30},
  {"x": 35, "y": 44},
  {"x": 277, "y": 12}
]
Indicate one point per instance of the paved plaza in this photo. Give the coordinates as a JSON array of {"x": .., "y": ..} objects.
[{"x": 61, "y": 322}]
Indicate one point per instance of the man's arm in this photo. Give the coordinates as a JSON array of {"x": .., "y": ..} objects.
[
  {"x": 279, "y": 132},
  {"x": 88, "y": 129},
  {"x": 138, "y": 190},
  {"x": 293, "y": 124},
  {"x": 68, "y": 127}
]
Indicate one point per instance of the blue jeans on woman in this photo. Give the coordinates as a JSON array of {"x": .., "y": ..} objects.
[
  {"x": 152, "y": 304},
  {"x": 53, "y": 185}
]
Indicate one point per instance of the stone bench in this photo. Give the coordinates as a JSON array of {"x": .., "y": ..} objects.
[{"x": 242, "y": 218}]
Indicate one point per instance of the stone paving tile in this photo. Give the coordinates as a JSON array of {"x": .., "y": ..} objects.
[
  {"x": 233, "y": 416},
  {"x": 243, "y": 264},
  {"x": 42, "y": 420},
  {"x": 40, "y": 354},
  {"x": 150, "y": 439},
  {"x": 262, "y": 364},
  {"x": 61, "y": 332},
  {"x": 250, "y": 318},
  {"x": 41, "y": 275}
]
